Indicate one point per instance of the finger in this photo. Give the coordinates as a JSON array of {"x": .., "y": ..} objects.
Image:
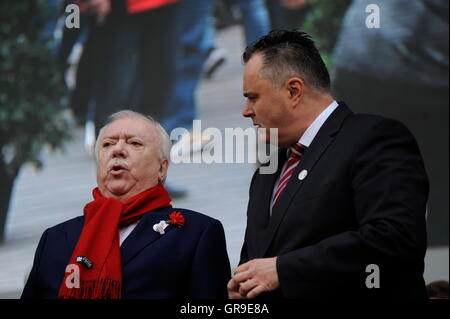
[
  {"x": 245, "y": 287},
  {"x": 232, "y": 285},
  {"x": 255, "y": 292},
  {"x": 231, "y": 293},
  {"x": 242, "y": 276},
  {"x": 242, "y": 267},
  {"x": 235, "y": 295}
]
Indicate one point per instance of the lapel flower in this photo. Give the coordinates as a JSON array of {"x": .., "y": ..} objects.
[{"x": 175, "y": 218}]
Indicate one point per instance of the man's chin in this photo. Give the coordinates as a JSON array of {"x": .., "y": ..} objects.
[{"x": 117, "y": 190}]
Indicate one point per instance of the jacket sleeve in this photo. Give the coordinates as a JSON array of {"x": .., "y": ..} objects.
[
  {"x": 31, "y": 290},
  {"x": 389, "y": 189},
  {"x": 211, "y": 267}
]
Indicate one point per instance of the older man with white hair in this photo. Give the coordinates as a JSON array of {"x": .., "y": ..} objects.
[{"x": 131, "y": 243}]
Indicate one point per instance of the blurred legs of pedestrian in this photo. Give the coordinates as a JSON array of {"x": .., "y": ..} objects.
[
  {"x": 286, "y": 18},
  {"x": 129, "y": 62},
  {"x": 254, "y": 19},
  {"x": 138, "y": 64},
  {"x": 195, "y": 38},
  {"x": 255, "y": 22},
  {"x": 215, "y": 59},
  {"x": 140, "y": 67},
  {"x": 84, "y": 75}
]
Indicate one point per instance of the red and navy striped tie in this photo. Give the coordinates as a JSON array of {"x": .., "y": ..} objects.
[{"x": 295, "y": 153}]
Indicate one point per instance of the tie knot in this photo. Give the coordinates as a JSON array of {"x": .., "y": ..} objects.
[{"x": 296, "y": 150}]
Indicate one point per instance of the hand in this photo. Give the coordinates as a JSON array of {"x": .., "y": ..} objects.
[
  {"x": 100, "y": 8},
  {"x": 253, "y": 278},
  {"x": 293, "y": 4},
  {"x": 233, "y": 290}
]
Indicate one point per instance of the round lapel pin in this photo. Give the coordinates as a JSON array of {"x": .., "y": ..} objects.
[{"x": 302, "y": 175}]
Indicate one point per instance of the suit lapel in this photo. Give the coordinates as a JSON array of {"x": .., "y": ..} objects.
[
  {"x": 143, "y": 234},
  {"x": 320, "y": 143},
  {"x": 73, "y": 233}
]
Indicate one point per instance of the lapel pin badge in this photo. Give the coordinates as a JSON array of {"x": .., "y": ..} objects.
[
  {"x": 85, "y": 261},
  {"x": 302, "y": 175}
]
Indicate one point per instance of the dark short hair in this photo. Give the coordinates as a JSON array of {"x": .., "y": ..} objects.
[{"x": 290, "y": 53}]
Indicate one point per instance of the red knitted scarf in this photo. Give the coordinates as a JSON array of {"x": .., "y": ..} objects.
[{"x": 97, "y": 253}]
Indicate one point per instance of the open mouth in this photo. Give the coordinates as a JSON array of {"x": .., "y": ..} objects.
[{"x": 117, "y": 169}]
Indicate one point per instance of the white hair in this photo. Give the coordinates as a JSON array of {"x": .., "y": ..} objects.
[{"x": 164, "y": 141}]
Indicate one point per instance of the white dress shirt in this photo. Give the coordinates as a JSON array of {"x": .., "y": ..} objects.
[{"x": 124, "y": 232}]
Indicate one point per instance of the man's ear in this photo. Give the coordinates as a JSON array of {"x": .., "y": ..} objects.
[
  {"x": 162, "y": 173},
  {"x": 295, "y": 87}
]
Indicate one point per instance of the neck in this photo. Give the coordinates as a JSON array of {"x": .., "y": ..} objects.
[{"x": 312, "y": 105}]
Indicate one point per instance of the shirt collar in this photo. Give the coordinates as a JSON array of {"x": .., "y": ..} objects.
[{"x": 311, "y": 132}]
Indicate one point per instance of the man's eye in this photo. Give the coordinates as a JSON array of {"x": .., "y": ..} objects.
[
  {"x": 136, "y": 143},
  {"x": 106, "y": 144}
]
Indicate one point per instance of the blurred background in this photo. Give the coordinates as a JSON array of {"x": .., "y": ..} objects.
[{"x": 66, "y": 65}]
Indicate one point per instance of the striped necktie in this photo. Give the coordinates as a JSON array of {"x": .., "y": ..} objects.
[{"x": 295, "y": 153}]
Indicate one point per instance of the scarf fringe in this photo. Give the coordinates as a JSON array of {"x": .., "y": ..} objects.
[{"x": 95, "y": 289}]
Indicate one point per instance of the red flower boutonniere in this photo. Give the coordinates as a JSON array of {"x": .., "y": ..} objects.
[{"x": 175, "y": 218}]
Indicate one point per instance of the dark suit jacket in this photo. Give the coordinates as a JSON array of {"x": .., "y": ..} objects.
[
  {"x": 362, "y": 202},
  {"x": 188, "y": 262}
]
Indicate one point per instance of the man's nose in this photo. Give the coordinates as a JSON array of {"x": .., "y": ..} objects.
[
  {"x": 247, "y": 112},
  {"x": 119, "y": 149}
]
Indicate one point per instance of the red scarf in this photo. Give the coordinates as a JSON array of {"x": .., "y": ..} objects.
[{"x": 99, "y": 243}]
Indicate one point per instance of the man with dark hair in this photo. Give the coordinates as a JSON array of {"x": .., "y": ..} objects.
[
  {"x": 344, "y": 215},
  {"x": 291, "y": 53}
]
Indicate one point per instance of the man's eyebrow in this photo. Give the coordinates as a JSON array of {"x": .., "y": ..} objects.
[{"x": 127, "y": 136}]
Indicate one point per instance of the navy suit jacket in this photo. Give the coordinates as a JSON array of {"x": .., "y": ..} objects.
[
  {"x": 363, "y": 202},
  {"x": 187, "y": 262}
]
